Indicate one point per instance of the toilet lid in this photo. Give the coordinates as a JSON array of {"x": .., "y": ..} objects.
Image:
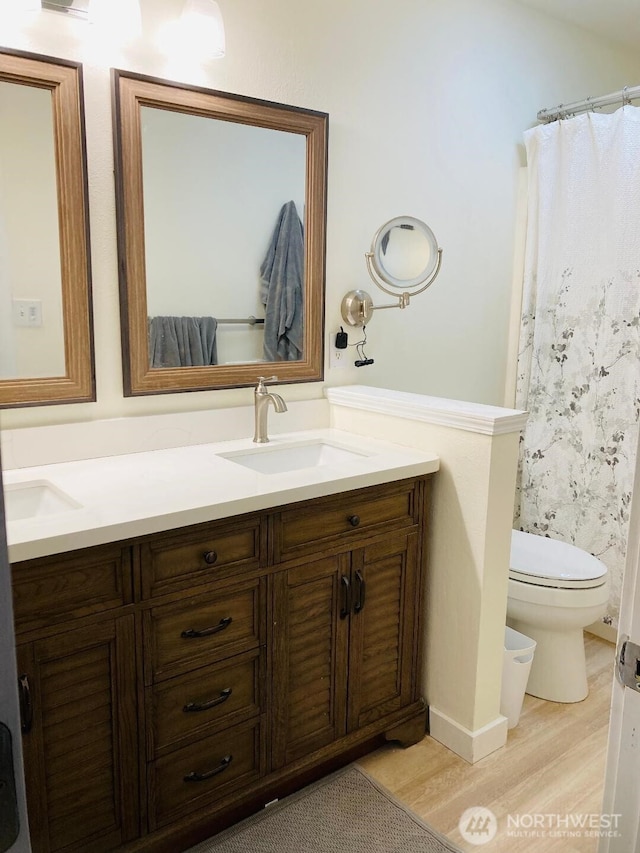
[{"x": 549, "y": 562}]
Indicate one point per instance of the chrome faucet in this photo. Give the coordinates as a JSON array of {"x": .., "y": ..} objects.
[{"x": 262, "y": 398}]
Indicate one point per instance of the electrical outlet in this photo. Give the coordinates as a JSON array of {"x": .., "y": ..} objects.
[{"x": 337, "y": 357}]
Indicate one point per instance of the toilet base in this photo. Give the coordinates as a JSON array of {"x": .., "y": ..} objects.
[{"x": 559, "y": 667}]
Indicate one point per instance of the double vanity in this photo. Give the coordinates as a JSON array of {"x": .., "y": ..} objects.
[{"x": 203, "y": 629}]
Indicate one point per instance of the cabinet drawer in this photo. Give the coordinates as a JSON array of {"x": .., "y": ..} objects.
[
  {"x": 209, "y": 769},
  {"x": 207, "y": 552},
  {"x": 54, "y": 589},
  {"x": 205, "y": 628},
  {"x": 190, "y": 705},
  {"x": 313, "y": 524}
]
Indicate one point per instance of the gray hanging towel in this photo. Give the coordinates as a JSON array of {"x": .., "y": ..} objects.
[
  {"x": 281, "y": 292},
  {"x": 182, "y": 341}
]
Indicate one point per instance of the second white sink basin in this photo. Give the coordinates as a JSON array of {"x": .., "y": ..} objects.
[
  {"x": 34, "y": 499},
  {"x": 292, "y": 457}
]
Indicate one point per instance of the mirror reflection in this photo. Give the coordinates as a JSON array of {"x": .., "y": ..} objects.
[
  {"x": 46, "y": 348},
  {"x": 31, "y": 332},
  {"x": 224, "y": 248},
  {"x": 221, "y": 209},
  {"x": 404, "y": 252}
]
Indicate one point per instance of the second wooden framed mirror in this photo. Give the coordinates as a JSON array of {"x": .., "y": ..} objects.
[{"x": 221, "y": 203}]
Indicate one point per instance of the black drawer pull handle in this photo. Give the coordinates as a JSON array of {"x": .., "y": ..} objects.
[
  {"x": 191, "y": 633},
  {"x": 354, "y": 520},
  {"x": 359, "y": 604},
  {"x": 26, "y": 705},
  {"x": 202, "y": 777},
  {"x": 210, "y": 557},
  {"x": 205, "y": 706},
  {"x": 346, "y": 597}
]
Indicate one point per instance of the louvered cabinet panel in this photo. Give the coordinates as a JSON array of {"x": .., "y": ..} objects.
[
  {"x": 79, "y": 708},
  {"x": 310, "y": 647},
  {"x": 383, "y": 620}
]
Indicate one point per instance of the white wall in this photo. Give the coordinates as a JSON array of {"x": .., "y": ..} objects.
[
  {"x": 427, "y": 101},
  {"x": 469, "y": 541}
]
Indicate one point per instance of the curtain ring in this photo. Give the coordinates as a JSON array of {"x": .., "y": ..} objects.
[{"x": 625, "y": 99}]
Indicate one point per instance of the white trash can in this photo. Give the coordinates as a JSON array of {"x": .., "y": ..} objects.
[{"x": 516, "y": 666}]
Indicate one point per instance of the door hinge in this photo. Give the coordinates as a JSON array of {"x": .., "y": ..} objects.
[{"x": 628, "y": 664}]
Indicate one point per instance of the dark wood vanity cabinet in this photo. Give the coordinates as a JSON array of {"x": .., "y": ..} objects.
[
  {"x": 170, "y": 682},
  {"x": 78, "y": 697},
  {"x": 344, "y": 644}
]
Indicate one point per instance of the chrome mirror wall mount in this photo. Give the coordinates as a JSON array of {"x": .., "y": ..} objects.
[{"x": 404, "y": 256}]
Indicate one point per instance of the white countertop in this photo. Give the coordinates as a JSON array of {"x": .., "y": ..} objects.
[{"x": 122, "y": 497}]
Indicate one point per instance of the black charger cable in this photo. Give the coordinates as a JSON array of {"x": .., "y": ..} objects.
[{"x": 362, "y": 360}]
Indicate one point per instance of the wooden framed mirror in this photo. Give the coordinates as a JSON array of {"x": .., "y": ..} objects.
[
  {"x": 221, "y": 205},
  {"x": 46, "y": 339}
]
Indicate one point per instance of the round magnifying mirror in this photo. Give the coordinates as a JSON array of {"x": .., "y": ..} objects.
[{"x": 404, "y": 254}]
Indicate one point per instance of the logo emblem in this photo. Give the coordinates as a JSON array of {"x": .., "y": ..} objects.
[{"x": 478, "y": 825}]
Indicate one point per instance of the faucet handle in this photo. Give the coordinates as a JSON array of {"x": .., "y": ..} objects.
[{"x": 263, "y": 379}]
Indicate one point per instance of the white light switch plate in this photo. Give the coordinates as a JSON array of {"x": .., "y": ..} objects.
[{"x": 27, "y": 312}]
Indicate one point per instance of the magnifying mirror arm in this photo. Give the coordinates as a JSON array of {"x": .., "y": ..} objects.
[
  {"x": 357, "y": 307},
  {"x": 403, "y": 301}
]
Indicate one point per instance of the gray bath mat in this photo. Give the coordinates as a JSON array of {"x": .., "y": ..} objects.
[{"x": 347, "y": 812}]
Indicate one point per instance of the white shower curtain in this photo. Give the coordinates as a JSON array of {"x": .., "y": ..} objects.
[{"x": 579, "y": 359}]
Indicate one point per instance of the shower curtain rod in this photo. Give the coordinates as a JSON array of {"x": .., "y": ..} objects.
[{"x": 624, "y": 96}]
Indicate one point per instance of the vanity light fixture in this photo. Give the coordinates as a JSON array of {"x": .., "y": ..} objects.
[
  {"x": 198, "y": 32},
  {"x": 120, "y": 17},
  {"x": 77, "y": 8},
  {"x": 203, "y": 26}
]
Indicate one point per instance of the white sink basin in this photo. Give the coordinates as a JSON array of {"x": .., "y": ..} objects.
[
  {"x": 35, "y": 499},
  {"x": 293, "y": 457}
]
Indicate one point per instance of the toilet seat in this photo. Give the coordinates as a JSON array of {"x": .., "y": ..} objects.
[{"x": 540, "y": 561}]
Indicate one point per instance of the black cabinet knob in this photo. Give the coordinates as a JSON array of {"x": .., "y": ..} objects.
[
  {"x": 210, "y": 557},
  {"x": 354, "y": 520}
]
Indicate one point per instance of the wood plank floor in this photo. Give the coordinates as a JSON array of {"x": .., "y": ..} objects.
[{"x": 553, "y": 764}]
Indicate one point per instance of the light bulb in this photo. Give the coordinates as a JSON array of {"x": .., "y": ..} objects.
[{"x": 201, "y": 28}]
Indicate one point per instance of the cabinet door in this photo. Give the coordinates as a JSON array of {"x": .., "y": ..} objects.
[
  {"x": 78, "y": 697},
  {"x": 384, "y": 617},
  {"x": 310, "y": 657}
]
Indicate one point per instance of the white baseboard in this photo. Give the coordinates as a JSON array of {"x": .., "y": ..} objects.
[
  {"x": 605, "y": 632},
  {"x": 472, "y": 746}
]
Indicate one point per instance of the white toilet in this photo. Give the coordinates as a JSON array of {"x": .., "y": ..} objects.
[{"x": 555, "y": 590}]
